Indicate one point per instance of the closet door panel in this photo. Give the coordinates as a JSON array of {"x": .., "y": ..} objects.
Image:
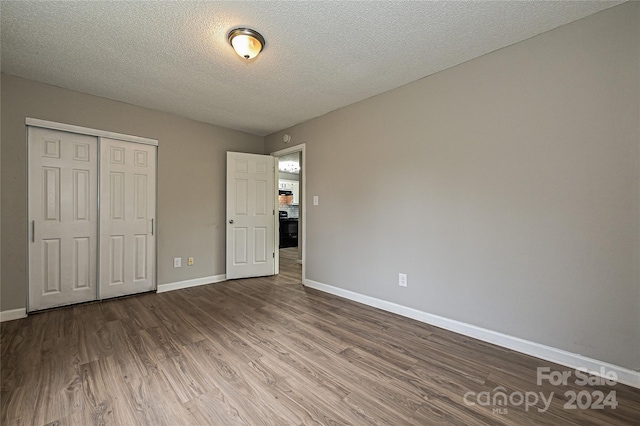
[
  {"x": 63, "y": 207},
  {"x": 127, "y": 215}
]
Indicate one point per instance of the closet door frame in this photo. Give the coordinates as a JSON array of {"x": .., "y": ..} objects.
[{"x": 70, "y": 128}]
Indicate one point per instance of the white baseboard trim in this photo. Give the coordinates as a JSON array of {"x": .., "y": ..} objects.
[
  {"x": 22, "y": 313},
  {"x": 191, "y": 283},
  {"x": 13, "y": 314},
  {"x": 625, "y": 376}
]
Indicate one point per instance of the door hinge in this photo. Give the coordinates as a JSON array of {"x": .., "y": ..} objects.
[{"x": 274, "y": 255}]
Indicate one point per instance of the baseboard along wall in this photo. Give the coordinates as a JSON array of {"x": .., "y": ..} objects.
[
  {"x": 191, "y": 283},
  {"x": 13, "y": 314},
  {"x": 575, "y": 361}
]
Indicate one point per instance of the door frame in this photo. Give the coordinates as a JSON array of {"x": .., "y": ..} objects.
[
  {"x": 302, "y": 149},
  {"x": 71, "y": 128}
]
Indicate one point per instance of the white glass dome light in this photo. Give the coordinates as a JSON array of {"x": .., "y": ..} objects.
[{"x": 246, "y": 42}]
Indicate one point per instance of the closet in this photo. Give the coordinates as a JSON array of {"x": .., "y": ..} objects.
[{"x": 92, "y": 207}]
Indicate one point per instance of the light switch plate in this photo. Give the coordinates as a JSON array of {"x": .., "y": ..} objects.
[
  {"x": 177, "y": 262},
  {"x": 315, "y": 200}
]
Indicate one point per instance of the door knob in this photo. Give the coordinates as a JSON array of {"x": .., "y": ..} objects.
[{"x": 230, "y": 220}]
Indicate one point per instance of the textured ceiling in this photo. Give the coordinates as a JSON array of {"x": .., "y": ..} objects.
[{"x": 319, "y": 56}]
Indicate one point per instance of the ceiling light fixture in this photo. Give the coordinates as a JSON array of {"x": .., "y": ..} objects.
[
  {"x": 289, "y": 166},
  {"x": 246, "y": 42}
]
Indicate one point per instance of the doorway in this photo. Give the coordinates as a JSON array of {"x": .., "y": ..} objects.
[{"x": 290, "y": 196}]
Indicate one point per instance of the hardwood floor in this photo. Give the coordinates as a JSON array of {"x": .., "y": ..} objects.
[{"x": 269, "y": 351}]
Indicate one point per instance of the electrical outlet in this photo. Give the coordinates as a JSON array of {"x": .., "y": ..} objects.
[
  {"x": 177, "y": 262},
  {"x": 402, "y": 280},
  {"x": 190, "y": 261}
]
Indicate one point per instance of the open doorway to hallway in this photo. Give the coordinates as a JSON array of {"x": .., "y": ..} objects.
[{"x": 290, "y": 202}]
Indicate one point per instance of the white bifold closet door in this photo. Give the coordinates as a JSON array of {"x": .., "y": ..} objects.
[
  {"x": 63, "y": 218},
  {"x": 127, "y": 217},
  {"x": 91, "y": 218}
]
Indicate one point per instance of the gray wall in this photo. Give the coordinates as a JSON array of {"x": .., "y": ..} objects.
[
  {"x": 191, "y": 177},
  {"x": 507, "y": 188}
]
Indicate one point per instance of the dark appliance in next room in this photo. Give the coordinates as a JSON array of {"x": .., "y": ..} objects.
[{"x": 288, "y": 230}]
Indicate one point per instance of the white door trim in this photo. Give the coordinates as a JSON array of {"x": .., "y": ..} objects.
[
  {"x": 302, "y": 149},
  {"x": 35, "y": 122},
  {"x": 276, "y": 218}
]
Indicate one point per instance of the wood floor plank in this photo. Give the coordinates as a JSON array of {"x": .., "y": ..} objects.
[
  {"x": 266, "y": 351},
  {"x": 362, "y": 341},
  {"x": 161, "y": 342},
  {"x": 215, "y": 409},
  {"x": 314, "y": 402},
  {"x": 136, "y": 312},
  {"x": 134, "y": 361},
  {"x": 106, "y": 400},
  {"x": 210, "y": 325},
  {"x": 305, "y": 329},
  {"x": 94, "y": 339},
  {"x": 154, "y": 402},
  {"x": 174, "y": 321},
  {"x": 185, "y": 378},
  {"x": 237, "y": 394},
  {"x": 60, "y": 390},
  {"x": 16, "y": 405},
  {"x": 272, "y": 383}
]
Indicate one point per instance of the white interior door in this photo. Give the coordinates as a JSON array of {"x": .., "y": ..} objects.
[
  {"x": 250, "y": 215},
  {"x": 63, "y": 184},
  {"x": 127, "y": 217}
]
